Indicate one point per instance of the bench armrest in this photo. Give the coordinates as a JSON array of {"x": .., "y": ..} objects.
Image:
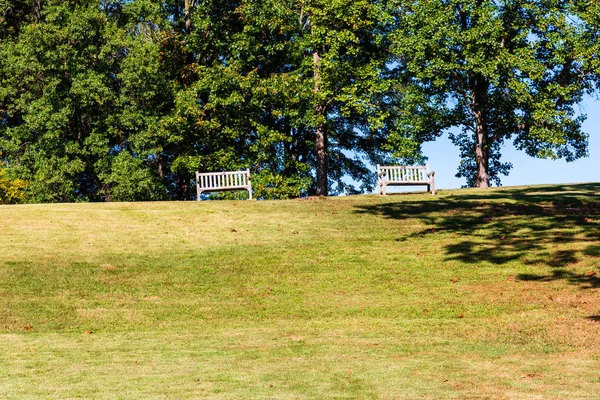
[{"x": 432, "y": 173}]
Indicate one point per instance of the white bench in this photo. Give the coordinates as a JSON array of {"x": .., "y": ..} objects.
[
  {"x": 219, "y": 181},
  {"x": 404, "y": 176}
]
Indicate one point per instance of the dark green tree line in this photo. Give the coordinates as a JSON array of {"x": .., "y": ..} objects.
[{"x": 126, "y": 99}]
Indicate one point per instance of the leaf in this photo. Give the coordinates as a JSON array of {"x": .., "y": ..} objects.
[{"x": 533, "y": 375}]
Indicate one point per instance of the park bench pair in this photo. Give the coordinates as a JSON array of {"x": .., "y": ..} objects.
[{"x": 386, "y": 176}]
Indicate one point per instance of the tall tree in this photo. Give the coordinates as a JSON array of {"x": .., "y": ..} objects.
[
  {"x": 349, "y": 42},
  {"x": 59, "y": 98},
  {"x": 499, "y": 70}
]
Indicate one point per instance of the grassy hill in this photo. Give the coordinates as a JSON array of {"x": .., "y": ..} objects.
[{"x": 468, "y": 294}]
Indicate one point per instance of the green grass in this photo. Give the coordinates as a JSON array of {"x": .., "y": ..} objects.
[{"x": 468, "y": 294}]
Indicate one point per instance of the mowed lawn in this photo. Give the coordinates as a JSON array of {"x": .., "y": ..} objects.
[{"x": 468, "y": 294}]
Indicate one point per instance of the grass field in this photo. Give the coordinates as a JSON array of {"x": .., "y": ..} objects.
[{"x": 468, "y": 294}]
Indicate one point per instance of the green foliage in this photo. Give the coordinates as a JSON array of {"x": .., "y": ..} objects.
[
  {"x": 59, "y": 99},
  {"x": 241, "y": 91},
  {"x": 267, "y": 185},
  {"x": 588, "y": 45},
  {"x": 498, "y": 70},
  {"x": 130, "y": 179},
  {"x": 126, "y": 99}
]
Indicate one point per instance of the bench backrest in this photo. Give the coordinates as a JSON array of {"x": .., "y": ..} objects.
[
  {"x": 403, "y": 173},
  {"x": 223, "y": 180}
]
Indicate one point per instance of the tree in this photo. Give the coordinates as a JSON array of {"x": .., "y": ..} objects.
[
  {"x": 499, "y": 70},
  {"x": 349, "y": 43},
  {"x": 60, "y": 100}
]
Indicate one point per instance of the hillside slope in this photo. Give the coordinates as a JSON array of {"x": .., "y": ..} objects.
[{"x": 468, "y": 294}]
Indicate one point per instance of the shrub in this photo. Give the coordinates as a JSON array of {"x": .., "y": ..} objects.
[{"x": 11, "y": 190}]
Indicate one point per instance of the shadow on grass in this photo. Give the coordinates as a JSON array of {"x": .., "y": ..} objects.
[
  {"x": 533, "y": 225},
  {"x": 584, "y": 280}
]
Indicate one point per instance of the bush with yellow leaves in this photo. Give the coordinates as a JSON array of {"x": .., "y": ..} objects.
[{"x": 11, "y": 190}]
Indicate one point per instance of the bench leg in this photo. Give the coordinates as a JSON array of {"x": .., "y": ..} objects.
[
  {"x": 384, "y": 189},
  {"x": 432, "y": 186},
  {"x": 198, "y": 191}
]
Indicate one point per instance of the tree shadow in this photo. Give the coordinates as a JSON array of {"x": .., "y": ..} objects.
[
  {"x": 546, "y": 225},
  {"x": 585, "y": 281}
]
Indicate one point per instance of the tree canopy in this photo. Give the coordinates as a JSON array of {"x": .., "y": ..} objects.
[
  {"x": 500, "y": 70},
  {"x": 126, "y": 99}
]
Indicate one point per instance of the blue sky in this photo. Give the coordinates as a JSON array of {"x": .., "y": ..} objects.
[{"x": 444, "y": 159}]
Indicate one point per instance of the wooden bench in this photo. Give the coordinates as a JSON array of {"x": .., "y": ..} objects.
[
  {"x": 219, "y": 181},
  {"x": 404, "y": 176}
]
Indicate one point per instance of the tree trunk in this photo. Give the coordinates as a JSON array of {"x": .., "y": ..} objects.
[
  {"x": 482, "y": 157},
  {"x": 161, "y": 166},
  {"x": 321, "y": 153},
  {"x": 479, "y": 88},
  {"x": 186, "y": 189},
  {"x": 320, "y": 133},
  {"x": 187, "y": 6},
  {"x": 183, "y": 185}
]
